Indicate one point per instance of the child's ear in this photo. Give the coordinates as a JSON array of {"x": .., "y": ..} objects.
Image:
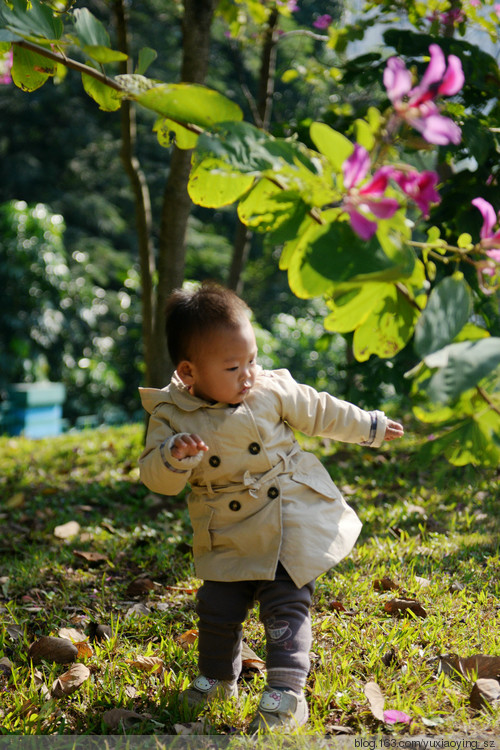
[{"x": 185, "y": 372}]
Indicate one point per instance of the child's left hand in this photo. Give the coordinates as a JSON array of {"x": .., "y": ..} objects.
[{"x": 393, "y": 430}]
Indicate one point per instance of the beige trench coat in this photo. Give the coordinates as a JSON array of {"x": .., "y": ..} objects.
[{"x": 256, "y": 497}]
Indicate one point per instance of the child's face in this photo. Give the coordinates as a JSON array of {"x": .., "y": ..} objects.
[{"x": 224, "y": 366}]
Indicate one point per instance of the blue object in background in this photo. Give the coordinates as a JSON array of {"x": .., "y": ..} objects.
[{"x": 33, "y": 410}]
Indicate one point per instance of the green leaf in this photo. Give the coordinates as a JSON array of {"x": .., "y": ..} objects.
[
  {"x": 213, "y": 184},
  {"x": 8, "y": 36},
  {"x": 30, "y": 70},
  {"x": 447, "y": 311},
  {"x": 89, "y": 29},
  {"x": 364, "y": 134},
  {"x": 461, "y": 366},
  {"x": 388, "y": 328},
  {"x": 147, "y": 55},
  {"x": 189, "y": 103},
  {"x": 103, "y": 55},
  {"x": 107, "y": 98},
  {"x": 38, "y": 21},
  {"x": 169, "y": 132},
  {"x": 266, "y": 207},
  {"x": 472, "y": 441},
  {"x": 332, "y": 144},
  {"x": 350, "y": 309}
]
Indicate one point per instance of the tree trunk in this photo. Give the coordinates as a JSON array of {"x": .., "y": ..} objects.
[
  {"x": 142, "y": 201},
  {"x": 243, "y": 235},
  {"x": 196, "y": 27}
]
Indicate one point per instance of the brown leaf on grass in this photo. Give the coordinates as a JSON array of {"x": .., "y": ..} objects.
[
  {"x": 192, "y": 727},
  {"x": 120, "y": 718},
  {"x": 5, "y": 666},
  {"x": 92, "y": 558},
  {"x": 385, "y": 584},
  {"x": 470, "y": 667},
  {"x": 84, "y": 650},
  {"x": 15, "y": 632},
  {"x": 16, "y": 500},
  {"x": 72, "y": 634},
  {"x": 250, "y": 661},
  {"x": 184, "y": 589},
  {"x": 67, "y": 530},
  {"x": 60, "y": 650},
  {"x": 140, "y": 587},
  {"x": 187, "y": 639},
  {"x": 485, "y": 693},
  {"x": 150, "y": 664},
  {"x": 375, "y": 699},
  {"x": 70, "y": 681},
  {"x": 404, "y": 606}
]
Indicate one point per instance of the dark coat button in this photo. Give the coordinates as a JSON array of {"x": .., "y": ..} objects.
[
  {"x": 234, "y": 505},
  {"x": 273, "y": 492},
  {"x": 254, "y": 448},
  {"x": 214, "y": 461}
]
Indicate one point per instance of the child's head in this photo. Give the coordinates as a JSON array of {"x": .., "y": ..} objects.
[{"x": 211, "y": 342}]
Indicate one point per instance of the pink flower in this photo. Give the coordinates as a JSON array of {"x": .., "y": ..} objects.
[
  {"x": 5, "y": 68},
  {"x": 496, "y": 8},
  {"x": 416, "y": 105},
  {"x": 420, "y": 187},
  {"x": 490, "y": 240},
  {"x": 368, "y": 199},
  {"x": 323, "y": 22}
]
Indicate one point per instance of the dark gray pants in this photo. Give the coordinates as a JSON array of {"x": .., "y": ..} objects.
[{"x": 222, "y": 607}]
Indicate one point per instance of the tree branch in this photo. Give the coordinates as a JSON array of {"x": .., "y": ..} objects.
[
  {"x": 68, "y": 62},
  {"x": 488, "y": 400}
]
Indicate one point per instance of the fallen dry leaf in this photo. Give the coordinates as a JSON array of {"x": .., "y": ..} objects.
[
  {"x": 182, "y": 588},
  {"x": 485, "y": 693},
  {"x": 120, "y": 718},
  {"x": 147, "y": 663},
  {"x": 375, "y": 699},
  {"x": 138, "y": 610},
  {"x": 403, "y": 606},
  {"x": 187, "y": 639},
  {"x": 70, "y": 681},
  {"x": 5, "y": 666},
  {"x": 385, "y": 584},
  {"x": 471, "y": 667},
  {"x": 250, "y": 661},
  {"x": 84, "y": 650},
  {"x": 67, "y": 530},
  {"x": 15, "y": 501},
  {"x": 140, "y": 587},
  {"x": 72, "y": 634},
  {"x": 48, "y": 648},
  {"x": 92, "y": 558},
  {"x": 192, "y": 727},
  {"x": 15, "y": 632}
]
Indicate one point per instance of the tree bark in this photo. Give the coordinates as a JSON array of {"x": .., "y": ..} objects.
[
  {"x": 142, "y": 200},
  {"x": 196, "y": 27},
  {"x": 264, "y": 105}
]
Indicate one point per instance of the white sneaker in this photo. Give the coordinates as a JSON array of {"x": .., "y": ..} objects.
[
  {"x": 205, "y": 689},
  {"x": 280, "y": 708}
]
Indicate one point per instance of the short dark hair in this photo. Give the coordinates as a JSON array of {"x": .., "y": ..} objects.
[{"x": 191, "y": 312}]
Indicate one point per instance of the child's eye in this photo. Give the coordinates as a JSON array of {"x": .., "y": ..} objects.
[{"x": 231, "y": 369}]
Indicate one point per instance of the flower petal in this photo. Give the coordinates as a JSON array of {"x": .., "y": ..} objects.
[
  {"x": 382, "y": 208},
  {"x": 454, "y": 77},
  {"x": 488, "y": 214},
  {"x": 356, "y": 166},
  {"x": 438, "y": 129},
  {"x": 361, "y": 225},
  {"x": 397, "y": 79}
]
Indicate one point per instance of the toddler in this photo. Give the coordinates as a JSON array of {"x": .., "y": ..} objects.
[{"x": 267, "y": 518}]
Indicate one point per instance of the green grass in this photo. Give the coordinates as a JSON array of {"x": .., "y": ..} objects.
[{"x": 438, "y": 523}]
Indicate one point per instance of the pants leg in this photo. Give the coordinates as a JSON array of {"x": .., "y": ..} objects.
[
  {"x": 222, "y": 607},
  {"x": 284, "y": 611}
]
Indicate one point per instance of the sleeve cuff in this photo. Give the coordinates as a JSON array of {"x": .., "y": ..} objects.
[
  {"x": 177, "y": 465},
  {"x": 378, "y": 427}
]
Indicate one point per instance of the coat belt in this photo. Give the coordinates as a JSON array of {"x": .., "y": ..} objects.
[{"x": 250, "y": 483}]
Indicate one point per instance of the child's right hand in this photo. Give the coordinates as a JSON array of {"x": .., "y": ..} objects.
[{"x": 187, "y": 445}]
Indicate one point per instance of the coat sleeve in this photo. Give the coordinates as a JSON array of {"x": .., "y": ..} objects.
[
  {"x": 323, "y": 415},
  {"x": 159, "y": 470}
]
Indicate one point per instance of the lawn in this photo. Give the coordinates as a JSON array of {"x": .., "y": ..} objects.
[{"x": 89, "y": 554}]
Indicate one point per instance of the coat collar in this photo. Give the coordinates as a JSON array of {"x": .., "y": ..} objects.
[{"x": 174, "y": 393}]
